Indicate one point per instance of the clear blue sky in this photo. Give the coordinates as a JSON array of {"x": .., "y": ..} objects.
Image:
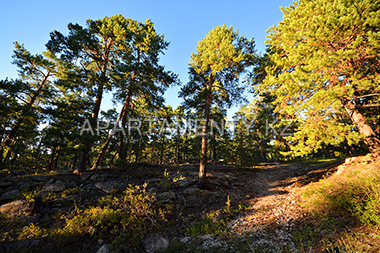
[{"x": 183, "y": 23}]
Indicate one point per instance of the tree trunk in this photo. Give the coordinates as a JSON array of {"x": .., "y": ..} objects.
[
  {"x": 85, "y": 154},
  {"x": 177, "y": 147},
  {"x": 105, "y": 146},
  {"x": 57, "y": 158},
  {"x": 214, "y": 157},
  {"x": 122, "y": 155},
  {"x": 372, "y": 141},
  {"x": 203, "y": 162},
  {"x": 16, "y": 127},
  {"x": 50, "y": 164}
]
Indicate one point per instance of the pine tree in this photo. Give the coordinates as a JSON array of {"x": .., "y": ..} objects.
[
  {"x": 138, "y": 74},
  {"x": 221, "y": 57},
  {"x": 327, "y": 53},
  {"x": 25, "y": 94}
]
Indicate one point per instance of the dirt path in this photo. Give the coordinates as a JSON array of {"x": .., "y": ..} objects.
[{"x": 272, "y": 194}]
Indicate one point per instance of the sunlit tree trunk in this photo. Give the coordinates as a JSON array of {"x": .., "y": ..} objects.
[
  {"x": 203, "y": 162},
  {"x": 364, "y": 128},
  {"x": 16, "y": 127}
]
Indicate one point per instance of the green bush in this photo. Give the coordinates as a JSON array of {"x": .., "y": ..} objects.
[{"x": 129, "y": 216}]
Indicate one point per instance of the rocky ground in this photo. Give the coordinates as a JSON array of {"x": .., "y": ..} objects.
[{"x": 268, "y": 193}]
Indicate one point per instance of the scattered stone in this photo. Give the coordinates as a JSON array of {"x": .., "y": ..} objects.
[
  {"x": 186, "y": 182},
  {"x": 24, "y": 246},
  {"x": 191, "y": 191},
  {"x": 186, "y": 240},
  {"x": 193, "y": 174},
  {"x": 154, "y": 180},
  {"x": 38, "y": 178},
  {"x": 220, "y": 176},
  {"x": 166, "y": 196},
  {"x": 209, "y": 175},
  {"x": 54, "y": 187},
  {"x": 155, "y": 243},
  {"x": 85, "y": 176},
  {"x": 209, "y": 241},
  {"x": 95, "y": 177},
  {"x": 104, "y": 249},
  {"x": 239, "y": 184},
  {"x": 14, "y": 208},
  {"x": 108, "y": 187},
  {"x": 11, "y": 195}
]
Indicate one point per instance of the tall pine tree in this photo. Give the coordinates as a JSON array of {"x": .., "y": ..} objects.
[{"x": 214, "y": 74}]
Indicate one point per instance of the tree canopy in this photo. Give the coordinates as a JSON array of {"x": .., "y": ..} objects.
[{"x": 325, "y": 56}]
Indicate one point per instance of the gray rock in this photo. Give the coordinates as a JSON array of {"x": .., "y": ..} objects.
[
  {"x": 103, "y": 249},
  {"x": 166, "y": 196},
  {"x": 186, "y": 182},
  {"x": 155, "y": 243},
  {"x": 25, "y": 185},
  {"x": 38, "y": 178},
  {"x": 193, "y": 174},
  {"x": 19, "y": 246},
  {"x": 186, "y": 240},
  {"x": 108, "y": 187},
  {"x": 85, "y": 176},
  {"x": 5, "y": 184},
  {"x": 11, "y": 195},
  {"x": 154, "y": 180},
  {"x": 220, "y": 176},
  {"x": 191, "y": 191},
  {"x": 14, "y": 208},
  {"x": 54, "y": 187},
  {"x": 95, "y": 177}
]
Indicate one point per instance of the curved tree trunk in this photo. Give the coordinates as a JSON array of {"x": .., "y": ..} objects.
[{"x": 372, "y": 141}]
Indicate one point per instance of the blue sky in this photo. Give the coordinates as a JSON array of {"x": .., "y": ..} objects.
[{"x": 183, "y": 23}]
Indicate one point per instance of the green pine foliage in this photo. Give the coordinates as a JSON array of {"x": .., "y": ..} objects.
[{"x": 323, "y": 52}]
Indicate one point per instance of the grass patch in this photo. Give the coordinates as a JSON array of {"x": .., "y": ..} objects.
[
  {"x": 346, "y": 200},
  {"x": 356, "y": 193}
]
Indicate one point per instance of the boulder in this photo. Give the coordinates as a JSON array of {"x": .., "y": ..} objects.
[
  {"x": 19, "y": 246},
  {"x": 85, "y": 176},
  {"x": 58, "y": 186},
  {"x": 14, "y": 208},
  {"x": 38, "y": 178},
  {"x": 11, "y": 195},
  {"x": 186, "y": 182},
  {"x": 155, "y": 243},
  {"x": 191, "y": 191},
  {"x": 165, "y": 197},
  {"x": 103, "y": 249},
  {"x": 108, "y": 187}
]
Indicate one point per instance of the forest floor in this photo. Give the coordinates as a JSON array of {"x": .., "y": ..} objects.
[{"x": 257, "y": 209}]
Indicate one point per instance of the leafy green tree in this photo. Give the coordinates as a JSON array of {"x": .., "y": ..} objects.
[
  {"x": 221, "y": 57},
  {"x": 327, "y": 53}
]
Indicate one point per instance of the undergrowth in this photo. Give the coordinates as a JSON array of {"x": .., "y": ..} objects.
[
  {"x": 123, "y": 219},
  {"x": 353, "y": 195}
]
